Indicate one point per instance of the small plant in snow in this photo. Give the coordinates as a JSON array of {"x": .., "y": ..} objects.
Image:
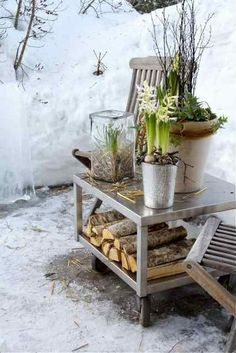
[{"x": 100, "y": 66}]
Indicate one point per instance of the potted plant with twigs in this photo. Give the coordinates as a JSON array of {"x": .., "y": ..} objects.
[
  {"x": 192, "y": 132},
  {"x": 159, "y": 166},
  {"x": 184, "y": 41}
]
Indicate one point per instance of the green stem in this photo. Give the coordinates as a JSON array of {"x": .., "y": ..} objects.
[
  {"x": 163, "y": 135},
  {"x": 151, "y": 131}
]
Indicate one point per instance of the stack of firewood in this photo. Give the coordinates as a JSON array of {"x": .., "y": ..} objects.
[{"x": 117, "y": 238}]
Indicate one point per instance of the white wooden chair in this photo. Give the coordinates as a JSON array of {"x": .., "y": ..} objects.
[
  {"x": 146, "y": 68},
  {"x": 215, "y": 247}
]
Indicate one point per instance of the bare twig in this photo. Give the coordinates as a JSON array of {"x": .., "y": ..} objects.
[
  {"x": 18, "y": 11},
  {"x": 76, "y": 349},
  {"x": 97, "y": 6},
  {"x": 100, "y": 66},
  {"x": 186, "y": 37}
]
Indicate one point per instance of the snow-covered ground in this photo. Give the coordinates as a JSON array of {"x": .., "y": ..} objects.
[
  {"x": 59, "y": 98},
  {"x": 74, "y": 307}
]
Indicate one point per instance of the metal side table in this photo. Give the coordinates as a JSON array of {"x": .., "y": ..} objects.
[{"x": 219, "y": 196}]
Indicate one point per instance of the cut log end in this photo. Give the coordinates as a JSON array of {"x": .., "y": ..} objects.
[{"x": 101, "y": 219}]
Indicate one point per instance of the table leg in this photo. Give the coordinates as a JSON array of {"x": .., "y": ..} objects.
[
  {"x": 143, "y": 298},
  {"x": 142, "y": 233},
  {"x": 78, "y": 211}
]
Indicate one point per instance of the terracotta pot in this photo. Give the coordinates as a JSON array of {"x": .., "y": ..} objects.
[{"x": 194, "y": 150}]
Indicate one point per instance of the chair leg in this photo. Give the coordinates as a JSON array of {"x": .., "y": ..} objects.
[
  {"x": 231, "y": 343},
  {"x": 211, "y": 286}
]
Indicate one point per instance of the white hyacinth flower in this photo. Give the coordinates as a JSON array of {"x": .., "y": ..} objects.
[{"x": 147, "y": 98}]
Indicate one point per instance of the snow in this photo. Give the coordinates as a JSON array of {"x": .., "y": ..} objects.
[
  {"x": 16, "y": 177},
  {"x": 59, "y": 98},
  {"x": 97, "y": 310}
]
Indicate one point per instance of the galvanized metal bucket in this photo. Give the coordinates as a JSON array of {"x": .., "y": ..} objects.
[{"x": 159, "y": 185}]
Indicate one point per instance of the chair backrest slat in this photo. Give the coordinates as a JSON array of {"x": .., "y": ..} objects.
[{"x": 148, "y": 68}]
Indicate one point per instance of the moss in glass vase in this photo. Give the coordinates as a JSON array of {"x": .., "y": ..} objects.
[{"x": 112, "y": 159}]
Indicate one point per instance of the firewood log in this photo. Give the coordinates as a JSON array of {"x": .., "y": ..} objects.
[
  {"x": 124, "y": 261},
  {"x": 114, "y": 254},
  {"x": 169, "y": 253},
  {"x": 96, "y": 240},
  {"x": 126, "y": 227},
  {"x": 110, "y": 251},
  {"x": 101, "y": 218},
  {"x": 155, "y": 238},
  {"x": 99, "y": 229},
  {"x": 119, "y": 229},
  {"x": 106, "y": 246},
  {"x": 165, "y": 270}
]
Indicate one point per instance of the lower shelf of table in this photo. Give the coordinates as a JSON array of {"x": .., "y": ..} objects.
[{"x": 153, "y": 286}]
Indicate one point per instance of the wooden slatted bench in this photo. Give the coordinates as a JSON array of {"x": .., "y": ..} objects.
[{"x": 215, "y": 248}]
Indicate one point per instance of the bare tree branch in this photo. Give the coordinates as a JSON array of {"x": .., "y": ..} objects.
[{"x": 22, "y": 46}]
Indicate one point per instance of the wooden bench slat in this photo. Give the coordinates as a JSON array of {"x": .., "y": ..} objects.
[
  {"x": 219, "y": 266},
  {"x": 223, "y": 249},
  {"x": 231, "y": 230},
  {"x": 222, "y": 231},
  {"x": 228, "y": 226},
  {"x": 226, "y": 245},
  {"x": 221, "y": 254},
  {"x": 201, "y": 244},
  {"x": 223, "y": 240},
  {"x": 220, "y": 259},
  {"x": 225, "y": 236}
]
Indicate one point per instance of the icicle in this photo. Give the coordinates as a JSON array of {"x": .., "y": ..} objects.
[{"x": 16, "y": 177}]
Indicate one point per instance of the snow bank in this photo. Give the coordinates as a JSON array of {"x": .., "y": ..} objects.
[{"x": 61, "y": 96}]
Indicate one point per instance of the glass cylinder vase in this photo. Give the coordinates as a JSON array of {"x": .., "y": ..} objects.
[{"x": 113, "y": 145}]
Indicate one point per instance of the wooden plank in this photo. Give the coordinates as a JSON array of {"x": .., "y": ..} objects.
[
  {"x": 211, "y": 286},
  {"x": 201, "y": 244},
  {"x": 220, "y": 259},
  {"x": 222, "y": 249},
  {"x": 131, "y": 91},
  {"x": 225, "y": 245},
  {"x": 219, "y": 266},
  {"x": 227, "y": 231},
  {"x": 159, "y": 79},
  {"x": 166, "y": 270},
  {"x": 221, "y": 254},
  {"x": 223, "y": 240},
  {"x": 134, "y": 95},
  {"x": 154, "y": 78},
  {"x": 228, "y": 226},
  {"x": 143, "y": 77},
  {"x": 148, "y": 77},
  {"x": 149, "y": 62},
  {"x": 226, "y": 235}
]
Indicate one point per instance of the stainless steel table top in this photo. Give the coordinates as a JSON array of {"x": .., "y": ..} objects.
[{"x": 219, "y": 196}]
